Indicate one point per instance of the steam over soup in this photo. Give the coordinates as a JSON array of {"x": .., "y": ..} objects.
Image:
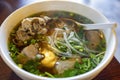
[{"x": 47, "y": 45}]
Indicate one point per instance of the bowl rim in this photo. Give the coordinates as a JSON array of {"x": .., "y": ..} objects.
[{"x": 26, "y": 74}]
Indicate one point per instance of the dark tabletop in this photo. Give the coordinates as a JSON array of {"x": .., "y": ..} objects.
[{"x": 110, "y": 8}]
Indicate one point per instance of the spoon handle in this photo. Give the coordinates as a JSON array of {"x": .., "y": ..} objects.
[{"x": 99, "y": 26}]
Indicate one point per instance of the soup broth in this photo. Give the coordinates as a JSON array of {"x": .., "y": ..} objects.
[{"x": 46, "y": 44}]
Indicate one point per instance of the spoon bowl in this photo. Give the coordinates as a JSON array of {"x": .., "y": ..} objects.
[{"x": 92, "y": 26}]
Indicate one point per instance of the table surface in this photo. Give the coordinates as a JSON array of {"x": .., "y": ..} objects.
[{"x": 109, "y": 8}]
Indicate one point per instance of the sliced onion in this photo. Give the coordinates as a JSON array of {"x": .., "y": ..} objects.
[
  {"x": 74, "y": 38},
  {"x": 65, "y": 38},
  {"x": 101, "y": 53},
  {"x": 71, "y": 35},
  {"x": 53, "y": 43},
  {"x": 60, "y": 53},
  {"x": 94, "y": 51}
]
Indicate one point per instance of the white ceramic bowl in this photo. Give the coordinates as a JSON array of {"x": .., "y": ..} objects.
[{"x": 30, "y": 9}]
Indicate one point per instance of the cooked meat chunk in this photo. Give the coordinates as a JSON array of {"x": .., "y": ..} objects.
[
  {"x": 30, "y": 51},
  {"x": 22, "y": 36},
  {"x": 60, "y": 24},
  {"x": 32, "y": 26},
  {"x": 63, "y": 65},
  {"x": 94, "y": 39}
]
